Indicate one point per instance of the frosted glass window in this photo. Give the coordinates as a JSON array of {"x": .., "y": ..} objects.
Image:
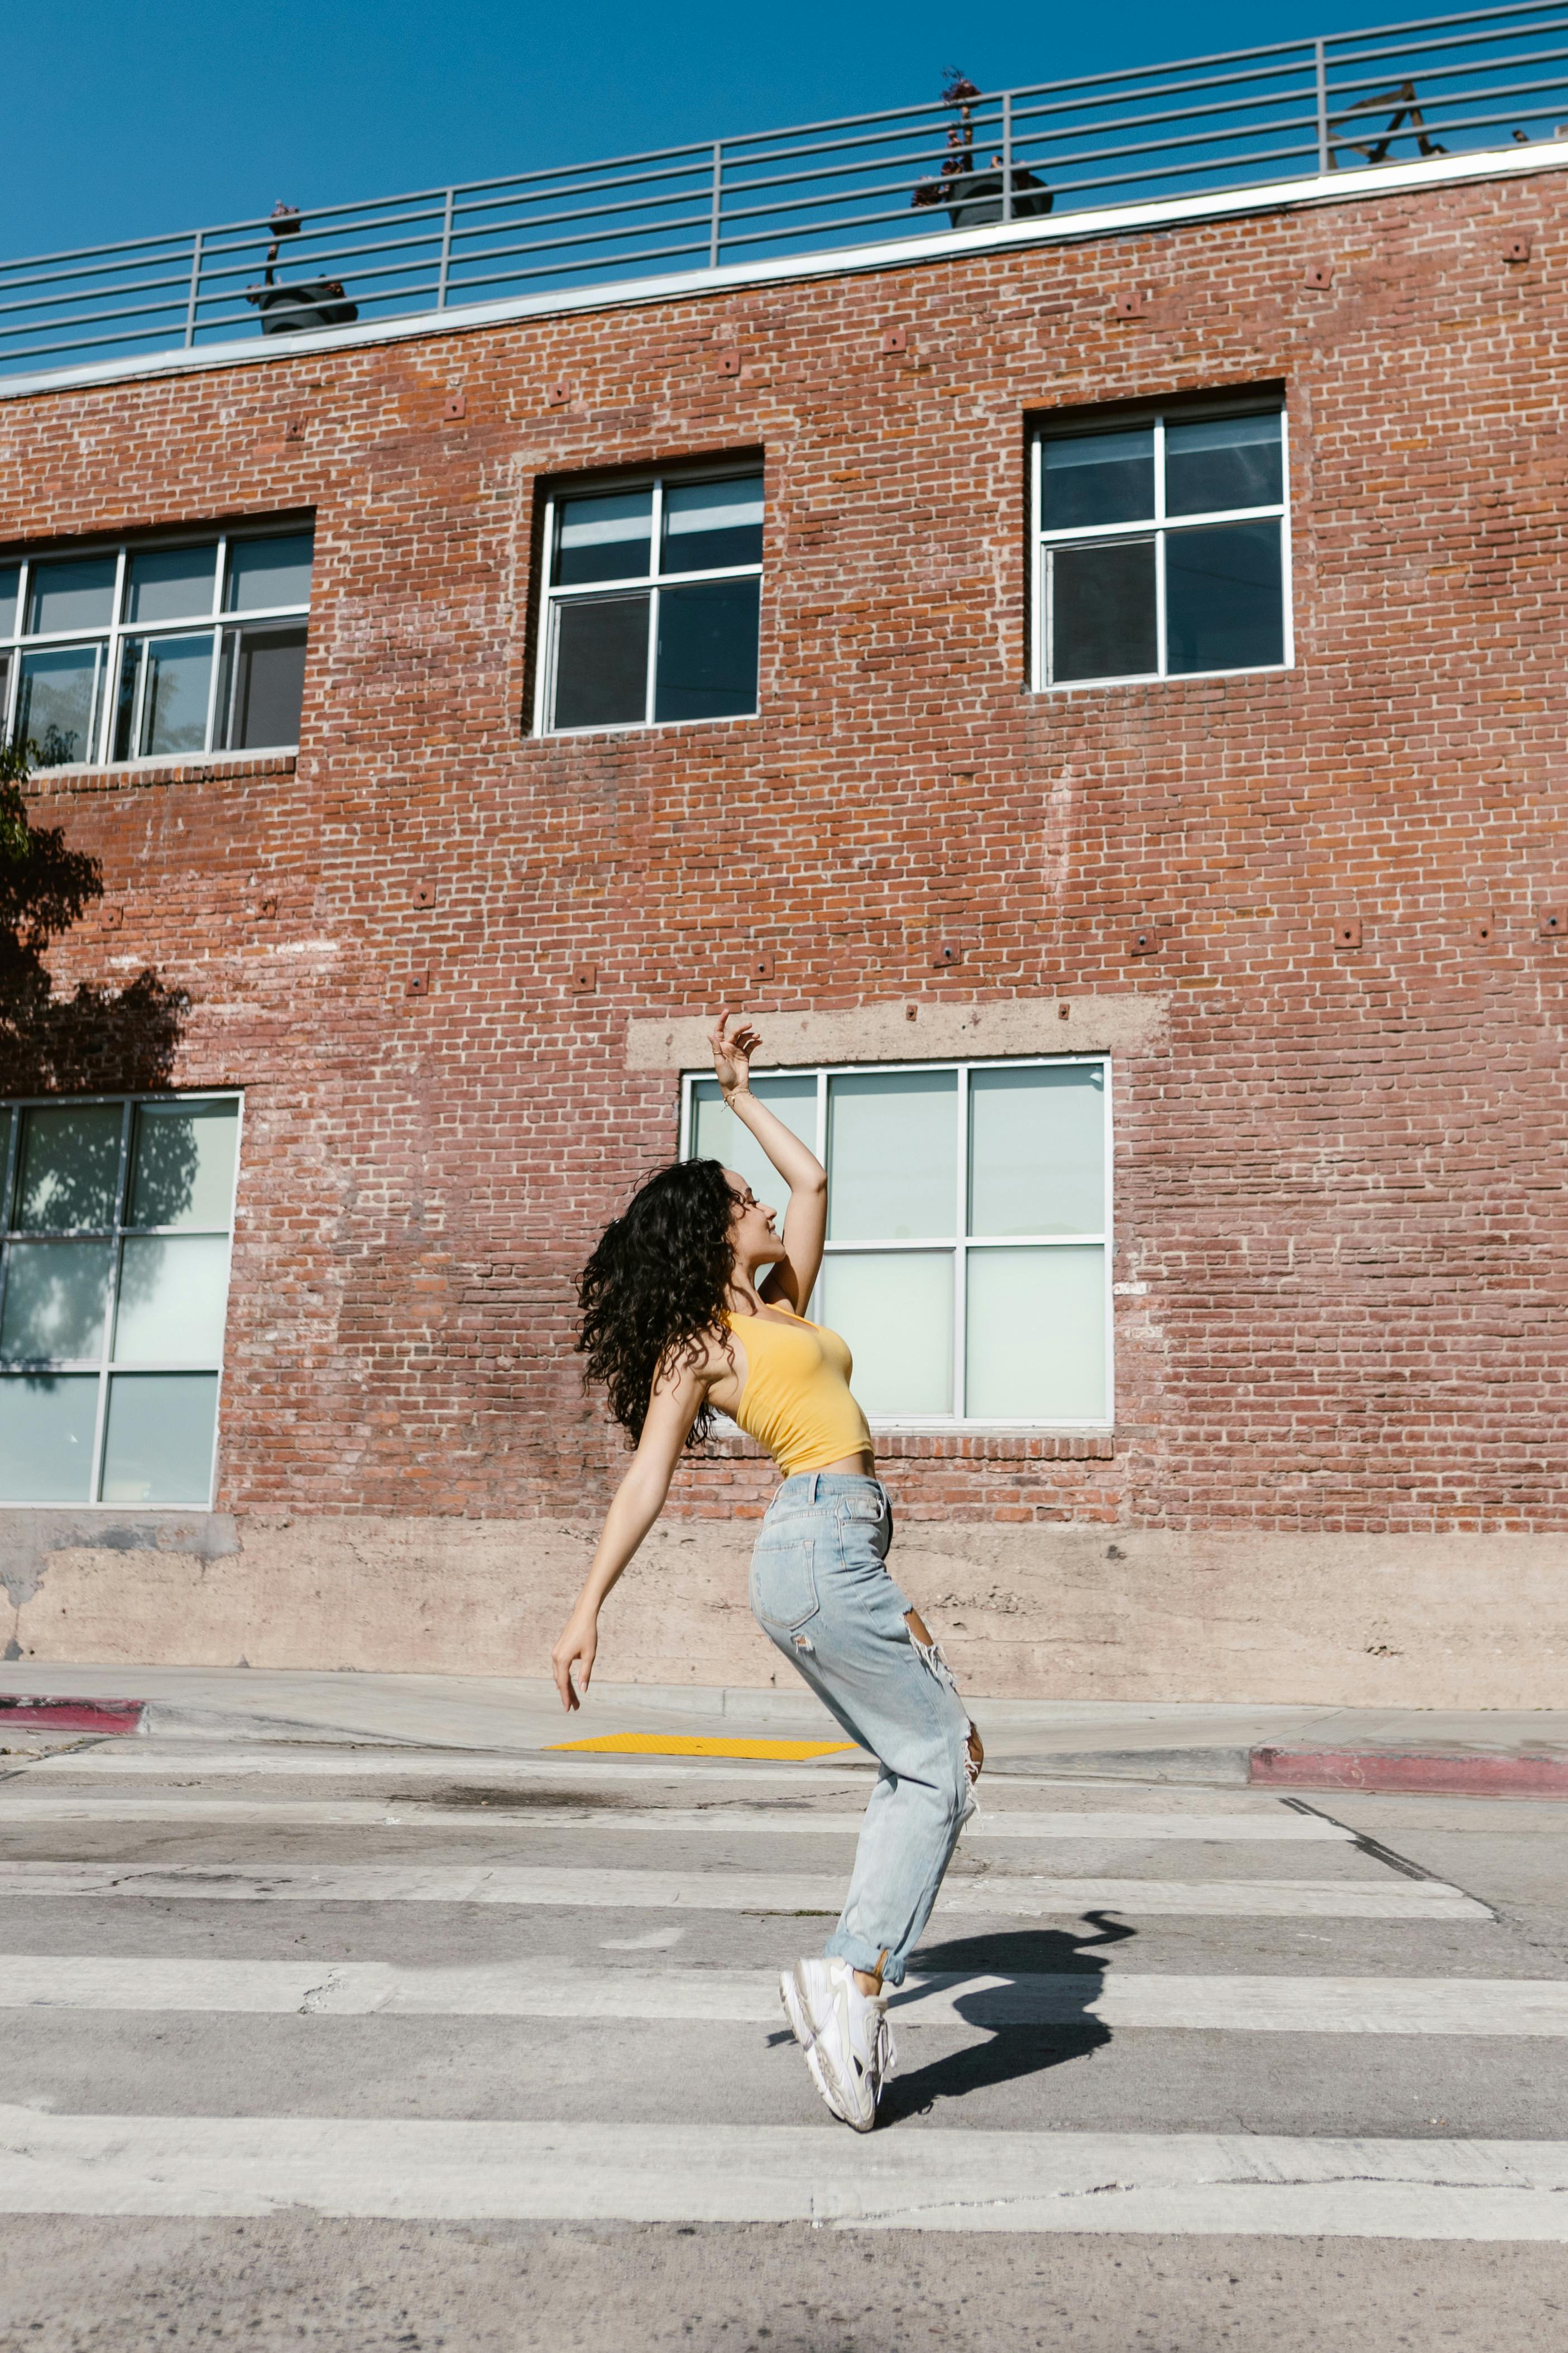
[
  {"x": 182, "y": 1169},
  {"x": 718, "y": 1135},
  {"x": 1037, "y": 1150},
  {"x": 967, "y": 1257},
  {"x": 895, "y": 1310},
  {"x": 56, "y": 1296},
  {"x": 892, "y": 1155},
  {"x": 47, "y": 1423},
  {"x": 1035, "y": 1335},
  {"x": 10, "y": 581},
  {"x": 69, "y": 1175},
  {"x": 173, "y": 1289},
  {"x": 111, "y": 1338},
  {"x": 159, "y": 1445}
]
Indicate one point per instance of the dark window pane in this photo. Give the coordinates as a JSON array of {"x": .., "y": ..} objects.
[
  {"x": 1102, "y": 610},
  {"x": 170, "y": 584},
  {"x": 57, "y": 707},
  {"x": 262, "y": 686},
  {"x": 131, "y": 651},
  {"x": 709, "y": 524},
  {"x": 1223, "y": 608},
  {"x": 601, "y": 662},
  {"x": 606, "y": 538},
  {"x": 175, "y": 699},
  {"x": 266, "y": 572},
  {"x": 10, "y": 578},
  {"x": 707, "y": 651},
  {"x": 1229, "y": 461},
  {"x": 1088, "y": 478},
  {"x": 76, "y": 595}
]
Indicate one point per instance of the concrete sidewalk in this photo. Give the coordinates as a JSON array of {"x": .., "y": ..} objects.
[{"x": 1502, "y": 1753}]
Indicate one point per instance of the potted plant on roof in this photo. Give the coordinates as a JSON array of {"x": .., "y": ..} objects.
[
  {"x": 974, "y": 197},
  {"x": 316, "y": 303}
]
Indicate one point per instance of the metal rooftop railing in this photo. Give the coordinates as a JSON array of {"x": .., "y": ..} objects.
[{"x": 1446, "y": 85}]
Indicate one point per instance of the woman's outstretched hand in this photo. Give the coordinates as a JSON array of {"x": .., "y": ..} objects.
[
  {"x": 733, "y": 1051},
  {"x": 577, "y": 1647}
]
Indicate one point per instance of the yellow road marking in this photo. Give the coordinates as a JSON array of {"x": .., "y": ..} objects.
[{"x": 673, "y": 1744}]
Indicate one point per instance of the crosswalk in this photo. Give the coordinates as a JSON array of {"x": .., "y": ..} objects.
[{"x": 612, "y": 1927}]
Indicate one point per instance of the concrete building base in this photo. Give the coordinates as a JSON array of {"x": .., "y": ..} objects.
[{"x": 1039, "y": 1612}]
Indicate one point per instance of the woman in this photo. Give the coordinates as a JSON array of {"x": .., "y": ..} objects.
[{"x": 692, "y": 1305}]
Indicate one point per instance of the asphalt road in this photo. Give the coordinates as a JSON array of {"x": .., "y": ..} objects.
[{"x": 349, "y": 2050}]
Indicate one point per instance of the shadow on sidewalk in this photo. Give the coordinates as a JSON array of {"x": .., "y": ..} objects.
[{"x": 1013, "y": 2050}]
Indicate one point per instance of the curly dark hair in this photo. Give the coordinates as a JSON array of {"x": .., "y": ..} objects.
[{"x": 656, "y": 1285}]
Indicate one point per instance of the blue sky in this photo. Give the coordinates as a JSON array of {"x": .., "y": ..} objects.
[{"x": 130, "y": 118}]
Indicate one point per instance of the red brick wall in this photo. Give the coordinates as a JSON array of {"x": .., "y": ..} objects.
[{"x": 1340, "y": 1177}]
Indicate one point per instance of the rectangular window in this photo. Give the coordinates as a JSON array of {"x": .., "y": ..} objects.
[
  {"x": 1161, "y": 548},
  {"x": 968, "y": 1255},
  {"x": 149, "y": 653},
  {"x": 651, "y": 603},
  {"x": 114, "y": 1250}
]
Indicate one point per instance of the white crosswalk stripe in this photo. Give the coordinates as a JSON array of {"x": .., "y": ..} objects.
[
  {"x": 335, "y": 1972},
  {"x": 1279, "y": 1827},
  {"x": 732, "y": 1891},
  {"x": 936, "y": 2180},
  {"x": 948, "y": 2000}
]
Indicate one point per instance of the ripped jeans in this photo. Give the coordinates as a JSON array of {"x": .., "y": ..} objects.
[{"x": 821, "y": 1591}]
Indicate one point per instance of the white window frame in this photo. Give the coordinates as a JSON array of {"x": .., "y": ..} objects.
[
  {"x": 963, "y": 1243},
  {"x": 1159, "y": 527},
  {"x": 12, "y": 1108},
  {"x": 552, "y": 598},
  {"x": 117, "y": 634}
]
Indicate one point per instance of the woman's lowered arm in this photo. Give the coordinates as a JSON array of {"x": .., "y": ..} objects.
[{"x": 636, "y": 1504}]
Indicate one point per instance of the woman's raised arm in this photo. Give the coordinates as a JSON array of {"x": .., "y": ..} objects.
[
  {"x": 805, "y": 1217},
  {"x": 636, "y": 1504}
]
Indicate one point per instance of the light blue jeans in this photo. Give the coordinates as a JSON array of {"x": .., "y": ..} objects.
[{"x": 821, "y": 1591}]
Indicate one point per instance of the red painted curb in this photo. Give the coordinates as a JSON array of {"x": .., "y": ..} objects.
[
  {"x": 1458, "y": 1774},
  {"x": 21, "y": 1712}
]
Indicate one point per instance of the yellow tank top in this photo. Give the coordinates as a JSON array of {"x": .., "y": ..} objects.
[{"x": 796, "y": 1400}]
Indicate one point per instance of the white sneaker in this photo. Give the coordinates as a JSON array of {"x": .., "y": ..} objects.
[{"x": 845, "y": 2034}]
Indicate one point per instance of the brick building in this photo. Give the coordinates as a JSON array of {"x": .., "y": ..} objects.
[{"x": 1092, "y": 685}]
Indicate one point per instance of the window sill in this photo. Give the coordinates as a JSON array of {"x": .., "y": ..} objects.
[
  {"x": 639, "y": 727},
  {"x": 1160, "y": 678},
  {"x": 955, "y": 1445},
  {"x": 133, "y": 775}
]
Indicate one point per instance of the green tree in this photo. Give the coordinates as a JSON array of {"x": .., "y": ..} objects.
[{"x": 95, "y": 1038}]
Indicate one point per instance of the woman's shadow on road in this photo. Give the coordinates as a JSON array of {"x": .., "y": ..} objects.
[{"x": 1073, "y": 1960}]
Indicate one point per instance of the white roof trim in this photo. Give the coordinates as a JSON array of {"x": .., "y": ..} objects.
[{"x": 900, "y": 253}]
